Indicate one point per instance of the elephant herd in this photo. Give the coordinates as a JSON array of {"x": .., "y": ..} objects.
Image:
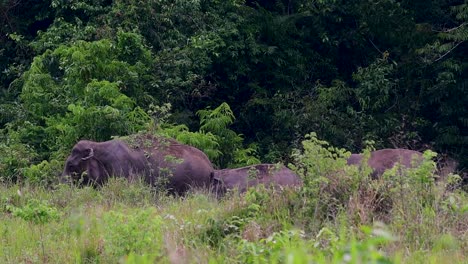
[{"x": 180, "y": 167}]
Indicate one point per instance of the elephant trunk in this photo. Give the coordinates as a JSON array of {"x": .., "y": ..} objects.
[{"x": 65, "y": 177}]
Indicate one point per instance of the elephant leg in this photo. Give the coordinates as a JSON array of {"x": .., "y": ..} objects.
[{"x": 97, "y": 174}]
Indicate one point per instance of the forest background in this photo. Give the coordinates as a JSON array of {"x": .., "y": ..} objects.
[
  {"x": 242, "y": 80},
  {"x": 292, "y": 81}
]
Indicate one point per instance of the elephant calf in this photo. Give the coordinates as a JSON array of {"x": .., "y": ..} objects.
[
  {"x": 152, "y": 159},
  {"x": 245, "y": 177}
]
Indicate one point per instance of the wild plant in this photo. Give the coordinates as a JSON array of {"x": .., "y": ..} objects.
[{"x": 39, "y": 213}]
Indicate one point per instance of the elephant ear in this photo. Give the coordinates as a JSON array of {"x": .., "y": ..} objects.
[{"x": 89, "y": 154}]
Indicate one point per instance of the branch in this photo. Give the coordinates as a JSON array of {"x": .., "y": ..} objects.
[
  {"x": 446, "y": 53},
  {"x": 451, "y": 29},
  {"x": 6, "y": 10},
  {"x": 377, "y": 48}
]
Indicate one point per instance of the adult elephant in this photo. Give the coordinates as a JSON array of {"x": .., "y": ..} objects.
[
  {"x": 245, "y": 177},
  {"x": 157, "y": 160},
  {"x": 385, "y": 159}
]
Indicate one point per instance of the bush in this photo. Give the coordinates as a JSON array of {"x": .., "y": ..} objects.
[
  {"x": 328, "y": 184},
  {"x": 331, "y": 187},
  {"x": 44, "y": 173},
  {"x": 14, "y": 159},
  {"x": 293, "y": 246}
]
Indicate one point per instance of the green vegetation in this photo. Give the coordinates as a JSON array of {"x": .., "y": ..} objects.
[
  {"x": 245, "y": 81},
  {"x": 389, "y": 71},
  {"x": 403, "y": 217}
]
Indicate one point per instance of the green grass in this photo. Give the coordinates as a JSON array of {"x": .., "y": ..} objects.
[
  {"x": 339, "y": 215},
  {"x": 129, "y": 223}
]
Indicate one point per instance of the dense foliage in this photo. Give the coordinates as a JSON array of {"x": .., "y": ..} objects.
[{"x": 389, "y": 71}]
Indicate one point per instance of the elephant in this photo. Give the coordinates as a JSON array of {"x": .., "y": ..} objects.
[
  {"x": 245, "y": 177},
  {"x": 385, "y": 159},
  {"x": 155, "y": 159}
]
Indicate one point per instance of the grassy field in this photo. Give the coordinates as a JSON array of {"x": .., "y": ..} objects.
[
  {"x": 130, "y": 223},
  {"x": 339, "y": 215}
]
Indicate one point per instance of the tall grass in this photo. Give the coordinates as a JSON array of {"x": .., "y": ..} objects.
[{"x": 340, "y": 215}]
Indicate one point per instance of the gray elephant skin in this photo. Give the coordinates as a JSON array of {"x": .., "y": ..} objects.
[
  {"x": 385, "y": 159},
  {"x": 245, "y": 177},
  {"x": 149, "y": 157}
]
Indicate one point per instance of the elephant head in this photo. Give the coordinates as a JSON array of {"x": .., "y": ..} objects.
[{"x": 83, "y": 159}]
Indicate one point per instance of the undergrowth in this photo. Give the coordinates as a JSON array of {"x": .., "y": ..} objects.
[{"x": 339, "y": 215}]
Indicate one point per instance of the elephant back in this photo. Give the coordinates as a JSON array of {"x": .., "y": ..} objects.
[
  {"x": 181, "y": 166},
  {"x": 242, "y": 178}
]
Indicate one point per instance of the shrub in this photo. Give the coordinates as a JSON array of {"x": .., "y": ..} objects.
[
  {"x": 44, "y": 173},
  {"x": 328, "y": 184},
  {"x": 14, "y": 159},
  {"x": 292, "y": 246}
]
